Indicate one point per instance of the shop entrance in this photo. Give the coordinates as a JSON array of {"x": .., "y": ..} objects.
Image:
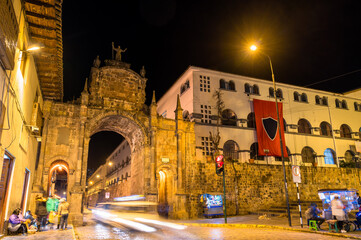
[{"x": 165, "y": 188}]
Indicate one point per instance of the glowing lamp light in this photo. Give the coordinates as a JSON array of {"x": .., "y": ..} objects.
[
  {"x": 98, "y": 176},
  {"x": 91, "y": 182},
  {"x": 110, "y": 163},
  {"x": 253, "y": 48},
  {"x": 33, "y": 48},
  {"x": 60, "y": 168}
]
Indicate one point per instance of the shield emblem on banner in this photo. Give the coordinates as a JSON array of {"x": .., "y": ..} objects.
[{"x": 270, "y": 127}]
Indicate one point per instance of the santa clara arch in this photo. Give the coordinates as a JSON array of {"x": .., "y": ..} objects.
[{"x": 113, "y": 100}]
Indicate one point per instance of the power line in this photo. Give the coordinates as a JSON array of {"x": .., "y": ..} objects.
[{"x": 328, "y": 79}]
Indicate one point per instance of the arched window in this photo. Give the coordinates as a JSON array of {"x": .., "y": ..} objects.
[
  {"x": 271, "y": 92},
  {"x": 255, "y": 89},
  {"x": 325, "y": 129},
  {"x": 230, "y": 149},
  {"x": 324, "y": 101},
  {"x": 304, "y": 126},
  {"x": 338, "y": 103},
  {"x": 296, "y": 96},
  {"x": 185, "y": 115},
  {"x": 231, "y": 85},
  {"x": 229, "y": 117},
  {"x": 318, "y": 99},
  {"x": 345, "y": 131},
  {"x": 349, "y": 156},
  {"x": 254, "y": 152},
  {"x": 356, "y": 106},
  {"x": 251, "y": 121},
  {"x": 304, "y": 97},
  {"x": 308, "y": 155},
  {"x": 330, "y": 156},
  {"x": 247, "y": 88},
  {"x": 222, "y": 84},
  {"x": 279, "y": 93},
  {"x": 344, "y": 104}
]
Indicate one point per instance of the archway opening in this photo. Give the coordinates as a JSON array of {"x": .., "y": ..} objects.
[
  {"x": 109, "y": 167},
  {"x": 164, "y": 192},
  {"x": 58, "y": 179}
]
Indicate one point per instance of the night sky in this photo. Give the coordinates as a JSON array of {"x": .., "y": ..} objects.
[{"x": 308, "y": 41}]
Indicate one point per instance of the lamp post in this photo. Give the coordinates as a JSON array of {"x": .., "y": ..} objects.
[{"x": 254, "y": 48}]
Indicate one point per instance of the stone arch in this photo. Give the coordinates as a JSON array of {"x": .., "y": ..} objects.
[
  {"x": 120, "y": 122},
  {"x": 134, "y": 132}
]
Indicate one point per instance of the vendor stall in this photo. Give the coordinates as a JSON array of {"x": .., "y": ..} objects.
[
  {"x": 212, "y": 204},
  {"x": 347, "y": 196}
]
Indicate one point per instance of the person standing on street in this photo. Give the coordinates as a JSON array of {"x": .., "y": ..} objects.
[
  {"x": 63, "y": 211},
  {"x": 338, "y": 212}
]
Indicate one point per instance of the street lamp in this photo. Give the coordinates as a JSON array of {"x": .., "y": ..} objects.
[{"x": 254, "y": 48}]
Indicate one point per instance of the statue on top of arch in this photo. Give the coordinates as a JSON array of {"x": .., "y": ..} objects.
[{"x": 118, "y": 52}]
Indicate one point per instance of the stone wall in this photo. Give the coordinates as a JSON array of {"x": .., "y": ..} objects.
[{"x": 262, "y": 186}]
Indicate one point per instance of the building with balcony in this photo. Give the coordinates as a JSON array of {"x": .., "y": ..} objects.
[{"x": 321, "y": 128}]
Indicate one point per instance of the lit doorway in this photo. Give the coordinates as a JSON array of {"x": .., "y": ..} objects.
[
  {"x": 164, "y": 192},
  {"x": 58, "y": 179}
]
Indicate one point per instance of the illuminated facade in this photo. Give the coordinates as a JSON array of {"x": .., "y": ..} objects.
[
  {"x": 21, "y": 104},
  {"x": 321, "y": 128}
]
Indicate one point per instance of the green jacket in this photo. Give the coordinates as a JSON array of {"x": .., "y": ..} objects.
[{"x": 52, "y": 204}]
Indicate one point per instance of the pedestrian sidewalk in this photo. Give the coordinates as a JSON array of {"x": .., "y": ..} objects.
[
  {"x": 255, "y": 221},
  {"x": 46, "y": 235}
]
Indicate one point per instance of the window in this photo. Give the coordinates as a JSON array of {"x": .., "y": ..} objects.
[
  {"x": 349, "y": 156},
  {"x": 296, "y": 96},
  {"x": 308, "y": 155},
  {"x": 338, "y": 103},
  {"x": 206, "y": 111},
  {"x": 184, "y": 87},
  {"x": 185, "y": 115},
  {"x": 231, "y": 85},
  {"x": 304, "y": 97},
  {"x": 344, "y": 104},
  {"x": 255, "y": 89},
  {"x": 230, "y": 149},
  {"x": 330, "y": 156},
  {"x": 227, "y": 85},
  {"x": 356, "y": 106},
  {"x": 345, "y": 131},
  {"x": 325, "y": 129},
  {"x": 229, "y": 117},
  {"x": 304, "y": 126},
  {"x": 324, "y": 101},
  {"x": 251, "y": 121},
  {"x": 318, "y": 100},
  {"x": 204, "y": 84},
  {"x": 247, "y": 88},
  {"x": 222, "y": 84},
  {"x": 271, "y": 92},
  {"x": 254, "y": 152},
  {"x": 207, "y": 146},
  {"x": 279, "y": 93}
]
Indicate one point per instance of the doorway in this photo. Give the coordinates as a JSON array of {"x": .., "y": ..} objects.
[
  {"x": 58, "y": 179},
  {"x": 5, "y": 186}
]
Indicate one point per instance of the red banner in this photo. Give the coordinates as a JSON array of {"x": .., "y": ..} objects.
[{"x": 267, "y": 128}]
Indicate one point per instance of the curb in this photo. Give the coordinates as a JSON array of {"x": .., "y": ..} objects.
[
  {"x": 268, "y": 226},
  {"x": 74, "y": 233}
]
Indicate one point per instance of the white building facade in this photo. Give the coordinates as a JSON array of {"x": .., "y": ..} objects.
[{"x": 321, "y": 128}]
